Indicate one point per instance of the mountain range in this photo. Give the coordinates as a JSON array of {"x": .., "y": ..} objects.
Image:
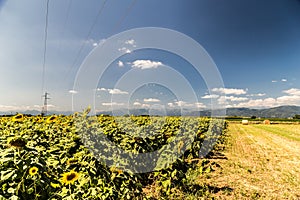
[{"x": 275, "y": 112}]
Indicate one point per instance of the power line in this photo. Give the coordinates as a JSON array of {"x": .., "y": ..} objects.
[
  {"x": 86, "y": 38},
  {"x": 115, "y": 28},
  {"x": 128, "y": 10},
  {"x": 65, "y": 23},
  {"x": 45, "y": 46}
]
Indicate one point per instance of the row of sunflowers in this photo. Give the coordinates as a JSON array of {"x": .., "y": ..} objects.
[{"x": 51, "y": 157}]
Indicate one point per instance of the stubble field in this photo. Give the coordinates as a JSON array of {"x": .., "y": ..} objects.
[{"x": 259, "y": 162}]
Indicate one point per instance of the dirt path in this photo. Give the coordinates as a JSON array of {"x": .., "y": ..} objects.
[{"x": 260, "y": 164}]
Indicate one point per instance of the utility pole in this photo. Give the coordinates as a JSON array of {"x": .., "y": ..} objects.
[{"x": 44, "y": 109}]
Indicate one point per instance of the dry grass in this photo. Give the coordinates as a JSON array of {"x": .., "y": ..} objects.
[{"x": 263, "y": 162}]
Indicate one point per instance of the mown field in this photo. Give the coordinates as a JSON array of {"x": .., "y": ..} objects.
[
  {"x": 259, "y": 162},
  {"x": 45, "y": 157}
]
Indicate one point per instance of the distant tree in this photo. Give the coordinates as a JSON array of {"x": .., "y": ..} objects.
[
  {"x": 297, "y": 117},
  {"x": 253, "y": 117}
]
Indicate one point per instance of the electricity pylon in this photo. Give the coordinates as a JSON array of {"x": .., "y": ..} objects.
[{"x": 44, "y": 109}]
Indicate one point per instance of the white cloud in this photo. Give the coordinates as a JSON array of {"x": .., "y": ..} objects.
[
  {"x": 137, "y": 103},
  {"x": 233, "y": 98},
  {"x": 94, "y": 43},
  {"x": 227, "y": 100},
  {"x": 49, "y": 106},
  {"x": 14, "y": 108},
  {"x": 289, "y": 100},
  {"x": 182, "y": 104},
  {"x": 120, "y": 63},
  {"x": 282, "y": 80},
  {"x": 112, "y": 104},
  {"x": 256, "y": 95},
  {"x": 112, "y": 91},
  {"x": 229, "y": 91},
  {"x": 128, "y": 45},
  {"x": 124, "y": 50},
  {"x": 210, "y": 96},
  {"x": 151, "y": 100},
  {"x": 116, "y": 91},
  {"x": 199, "y": 105},
  {"x": 186, "y": 104},
  {"x": 292, "y": 97},
  {"x": 73, "y": 91},
  {"x": 97, "y": 43},
  {"x": 101, "y": 89},
  {"x": 260, "y": 94},
  {"x": 268, "y": 102},
  {"x": 146, "y": 64},
  {"x": 222, "y": 101},
  {"x": 292, "y": 91},
  {"x": 171, "y": 104},
  {"x": 144, "y": 105},
  {"x": 131, "y": 42}
]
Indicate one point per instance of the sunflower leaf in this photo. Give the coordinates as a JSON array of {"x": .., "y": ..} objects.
[{"x": 7, "y": 174}]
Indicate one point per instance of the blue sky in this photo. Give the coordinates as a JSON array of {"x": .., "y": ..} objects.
[{"x": 255, "y": 45}]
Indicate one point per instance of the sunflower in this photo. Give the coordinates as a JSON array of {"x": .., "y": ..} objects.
[
  {"x": 116, "y": 170},
  {"x": 69, "y": 177},
  {"x": 33, "y": 171},
  {"x": 51, "y": 119},
  {"x": 17, "y": 142},
  {"x": 18, "y": 118}
]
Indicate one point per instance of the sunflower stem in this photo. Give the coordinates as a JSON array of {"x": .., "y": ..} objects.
[
  {"x": 70, "y": 191},
  {"x": 34, "y": 189}
]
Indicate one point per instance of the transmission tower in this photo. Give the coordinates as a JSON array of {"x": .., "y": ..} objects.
[{"x": 44, "y": 109}]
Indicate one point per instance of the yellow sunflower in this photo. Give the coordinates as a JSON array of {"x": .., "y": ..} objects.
[
  {"x": 117, "y": 170},
  {"x": 18, "y": 118},
  {"x": 33, "y": 171},
  {"x": 69, "y": 177},
  {"x": 51, "y": 119}
]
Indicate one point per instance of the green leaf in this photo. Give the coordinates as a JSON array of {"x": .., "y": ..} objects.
[
  {"x": 14, "y": 197},
  {"x": 173, "y": 174},
  {"x": 30, "y": 190},
  {"x": 7, "y": 174},
  {"x": 2, "y": 197},
  {"x": 5, "y": 159},
  {"x": 166, "y": 183},
  {"x": 11, "y": 190}
]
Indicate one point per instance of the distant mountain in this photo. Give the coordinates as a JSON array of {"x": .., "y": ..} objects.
[
  {"x": 275, "y": 112},
  {"x": 36, "y": 112}
]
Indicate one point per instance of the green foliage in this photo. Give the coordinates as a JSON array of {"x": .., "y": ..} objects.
[
  {"x": 296, "y": 117},
  {"x": 55, "y": 146}
]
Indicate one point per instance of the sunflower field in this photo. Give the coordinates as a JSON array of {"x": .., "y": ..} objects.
[{"x": 64, "y": 157}]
